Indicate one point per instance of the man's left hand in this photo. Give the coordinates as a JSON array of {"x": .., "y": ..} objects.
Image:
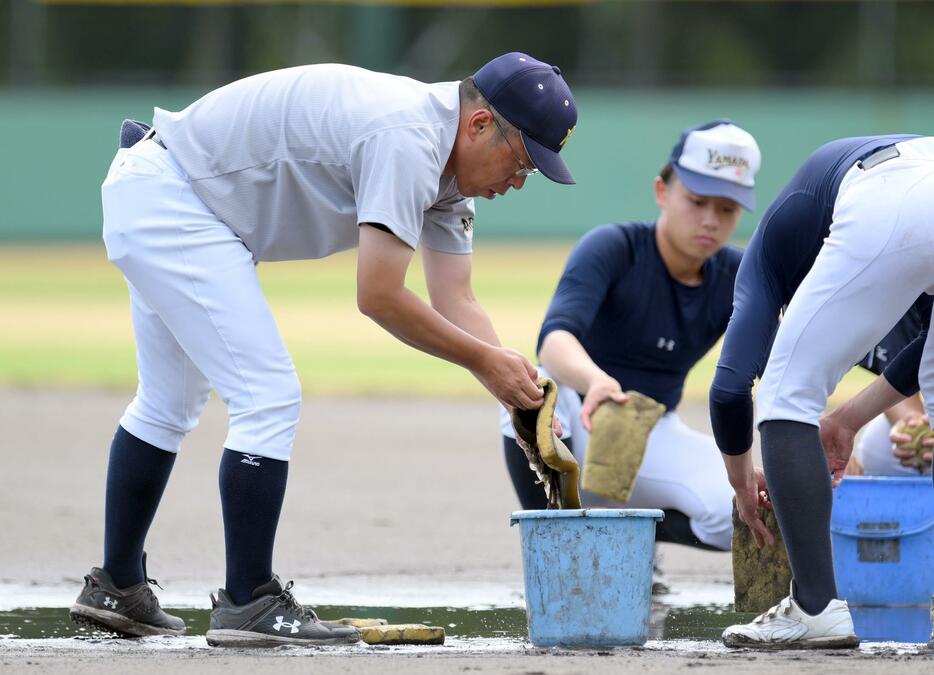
[{"x": 749, "y": 498}]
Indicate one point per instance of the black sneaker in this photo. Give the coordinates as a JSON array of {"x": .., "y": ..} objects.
[
  {"x": 273, "y": 618},
  {"x": 128, "y": 612}
]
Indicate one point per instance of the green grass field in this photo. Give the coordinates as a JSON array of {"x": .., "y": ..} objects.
[{"x": 65, "y": 322}]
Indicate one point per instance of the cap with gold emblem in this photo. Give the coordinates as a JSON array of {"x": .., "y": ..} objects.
[{"x": 533, "y": 97}]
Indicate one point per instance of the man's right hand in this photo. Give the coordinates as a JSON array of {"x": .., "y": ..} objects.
[
  {"x": 837, "y": 437},
  {"x": 605, "y": 388},
  {"x": 511, "y": 378}
]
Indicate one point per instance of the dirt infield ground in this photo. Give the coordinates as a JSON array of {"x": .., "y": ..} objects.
[
  {"x": 376, "y": 487},
  {"x": 531, "y": 662},
  {"x": 387, "y": 499}
]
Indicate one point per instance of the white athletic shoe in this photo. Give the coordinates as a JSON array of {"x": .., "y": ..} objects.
[{"x": 787, "y": 626}]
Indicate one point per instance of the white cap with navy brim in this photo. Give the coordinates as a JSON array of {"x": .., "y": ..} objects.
[{"x": 718, "y": 159}]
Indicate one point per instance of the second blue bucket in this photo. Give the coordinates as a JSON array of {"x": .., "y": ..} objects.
[
  {"x": 588, "y": 575},
  {"x": 883, "y": 540}
]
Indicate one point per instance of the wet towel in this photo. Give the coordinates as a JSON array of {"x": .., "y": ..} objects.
[{"x": 548, "y": 457}]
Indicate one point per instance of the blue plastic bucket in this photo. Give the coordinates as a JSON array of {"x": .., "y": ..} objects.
[
  {"x": 892, "y": 624},
  {"x": 588, "y": 575},
  {"x": 883, "y": 540}
]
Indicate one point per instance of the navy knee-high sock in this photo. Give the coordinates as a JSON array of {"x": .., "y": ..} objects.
[
  {"x": 799, "y": 488},
  {"x": 136, "y": 477},
  {"x": 252, "y": 489}
]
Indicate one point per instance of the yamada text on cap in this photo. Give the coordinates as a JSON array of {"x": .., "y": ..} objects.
[{"x": 718, "y": 159}]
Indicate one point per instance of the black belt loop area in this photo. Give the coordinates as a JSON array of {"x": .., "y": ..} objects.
[
  {"x": 151, "y": 134},
  {"x": 876, "y": 157}
]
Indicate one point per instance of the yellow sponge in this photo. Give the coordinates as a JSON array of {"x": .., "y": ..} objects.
[
  {"x": 362, "y": 623},
  {"x": 617, "y": 445},
  {"x": 403, "y": 634}
]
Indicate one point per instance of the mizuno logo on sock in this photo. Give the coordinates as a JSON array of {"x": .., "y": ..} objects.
[
  {"x": 280, "y": 623},
  {"x": 250, "y": 459}
]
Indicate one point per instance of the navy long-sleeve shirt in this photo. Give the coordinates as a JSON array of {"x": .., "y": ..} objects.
[
  {"x": 779, "y": 256},
  {"x": 636, "y": 322}
]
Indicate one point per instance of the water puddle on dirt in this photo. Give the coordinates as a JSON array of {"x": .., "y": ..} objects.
[
  {"x": 471, "y": 623},
  {"x": 700, "y": 623}
]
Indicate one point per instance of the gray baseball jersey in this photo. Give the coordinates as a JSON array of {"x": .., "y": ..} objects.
[{"x": 293, "y": 160}]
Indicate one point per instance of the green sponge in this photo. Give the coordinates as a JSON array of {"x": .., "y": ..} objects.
[
  {"x": 920, "y": 431},
  {"x": 761, "y": 576},
  {"x": 617, "y": 445}
]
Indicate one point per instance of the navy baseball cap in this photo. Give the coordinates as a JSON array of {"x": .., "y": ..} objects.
[
  {"x": 718, "y": 159},
  {"x": 533, "y": 97}
]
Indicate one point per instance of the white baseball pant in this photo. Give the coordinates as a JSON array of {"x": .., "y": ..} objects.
[
  {"x": 877, "y": 259},
  {"x": 199, "y": 315}
]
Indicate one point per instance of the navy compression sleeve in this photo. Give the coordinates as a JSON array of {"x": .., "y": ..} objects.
[
  {"x": 746, "y": 346},
  {"x": 780, "y": 253}
]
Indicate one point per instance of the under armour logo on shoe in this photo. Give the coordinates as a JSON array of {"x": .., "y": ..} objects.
[
  {"x": 250, "y": 459},
  {"x": 280, "y": 623},
  {"x": 110, "y": 602}
]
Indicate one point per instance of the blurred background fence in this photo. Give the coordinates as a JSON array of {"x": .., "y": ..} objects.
[{"x": 795, "y": 74}]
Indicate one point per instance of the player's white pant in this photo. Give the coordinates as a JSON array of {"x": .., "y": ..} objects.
[
  {"x": 874, "y": 451},
  {"x": 199, "y": 315},
  {"x": 682, "y": 470},
  {"x": 877, "y": 259}
]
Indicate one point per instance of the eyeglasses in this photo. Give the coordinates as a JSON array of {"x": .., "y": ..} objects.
[{"x": 523, "y": 170}]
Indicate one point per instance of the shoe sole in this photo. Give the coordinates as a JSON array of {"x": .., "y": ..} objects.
[
  {"x": 111, "y": 622},
  {"x": 249, "y": 639},
  {"x": 836, "y": 642}
]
